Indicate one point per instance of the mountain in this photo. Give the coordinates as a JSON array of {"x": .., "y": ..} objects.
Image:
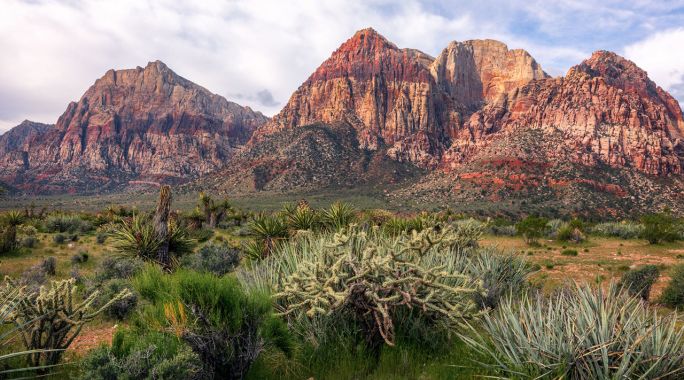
[
  {"x": 484, "y": 123},
  {"x": 403, "y": 99},
  {"x": 137, "y": 125}
]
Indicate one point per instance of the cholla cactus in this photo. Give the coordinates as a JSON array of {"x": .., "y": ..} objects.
[
  {"x": 49, "y": 320},
  {"x": 374, "y": 275}
]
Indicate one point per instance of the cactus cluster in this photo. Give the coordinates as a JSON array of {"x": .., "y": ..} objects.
[
  {"x": 374, "y": 276},
  {"x": 49, "y": 319}
]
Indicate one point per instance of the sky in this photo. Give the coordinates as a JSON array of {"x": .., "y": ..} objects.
[{"x": 257, "y": 52}]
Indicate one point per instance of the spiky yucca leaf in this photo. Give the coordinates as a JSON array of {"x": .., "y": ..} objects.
[
  {"x": 339, "y": 216},
  {"x": 581, "y": 333}
]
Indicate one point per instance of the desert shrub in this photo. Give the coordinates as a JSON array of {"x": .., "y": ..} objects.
[
  {"x": 531, "y": 228},
  {"x": 553, "y": 226},
  {"x": 569, "y": 252},
  {"x": 215, "y": 258},
  {"x": 59, "y": 239},
  {"x": 502, "y": 230},
  {"x": 659, "y": 228},
  {"x": 67, "y": 224},
  {"x": 399, "y": 225},
  {"x": 49, "y": 265},
  {"x": 201, "y": 234},
  {"x": 80, "y": 257},
  {"x": 121, "y": 308},
  {"x": 147, "y": 355},
  {"x": 639, "y": 281},
  {"x": 224, "y": 326},
  {"x": 339, "y": 215},
  {"x": 118, "y": 268},
  {"x": 673, "y": 295},
  {"x": 624, "y": 230},
  {"x": 580, "y": 333},
  {"x": 371, "y": 277},
  {"x": 29, "y": 242},
  {"x": 27, "y": 230},
  {"x": 100, "y": 238},
  {"x": 50, "y": 319}
]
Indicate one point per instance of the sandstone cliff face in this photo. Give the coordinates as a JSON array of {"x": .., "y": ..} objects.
[
  {"x": 403, "y": 99},
  {"x": 141, "y": 124},
  {"x": 606, "y": 109}
]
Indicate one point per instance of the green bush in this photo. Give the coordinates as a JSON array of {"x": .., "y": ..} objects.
[
  {"x": 147, "y": 355},
  {"x": 215, "y": 258},
  {"x": 531, "y": 228},
  {"x": 67, "y": 224},
  {"x": 659, "y": 228},
  {"x": 59, "y": 239},
  {"x": 569, "y": 252},
  {"x": 225, "y": 327},
  {"x": 49, "y": 265},
  {"x": 673, "y": 295},
  {"x": 121, "y": 308},
  {"x": 639, "y": 281},
  {"x": 100, "y": 238},
  {"x": 29, "y": 242},
  {"x": 580, "y": 333},
  {"x": 80, "y": 258},
  {"x": 118, "y": 268}
]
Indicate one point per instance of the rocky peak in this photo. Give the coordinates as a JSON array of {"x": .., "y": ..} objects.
[
  {"x": 478, "y": 71},
  {"x": 137, "y": 124}
]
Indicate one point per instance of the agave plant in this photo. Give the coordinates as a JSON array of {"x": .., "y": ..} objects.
[
  {"x": 581, "y": 333},
  {"x": 338, "y": 216}
]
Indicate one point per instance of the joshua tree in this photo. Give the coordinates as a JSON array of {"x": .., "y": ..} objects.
[
  {"x": 213, "y": 211},
  {"x": 161, "y": 226},
  {"x": 12, "y": 219}
]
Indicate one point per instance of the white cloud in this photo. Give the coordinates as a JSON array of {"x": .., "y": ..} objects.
[
  {"x": 53, "y": 50},
  {"x": 662, "y": 56}
]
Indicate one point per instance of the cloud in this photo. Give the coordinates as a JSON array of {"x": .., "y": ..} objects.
[
  {"x": 662, "y": 56},
  {"x": 264, "y": 49}
]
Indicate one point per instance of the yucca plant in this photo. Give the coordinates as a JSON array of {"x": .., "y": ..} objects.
[
  {"x": 136, "y": 237},
  {"x": 267, "y": 230},
  {"x": 10, "y": 220},
  {"x": 302, "y": 218},
  {"x": 580, "y": 333},
  {"x": 338, "y": 216}
]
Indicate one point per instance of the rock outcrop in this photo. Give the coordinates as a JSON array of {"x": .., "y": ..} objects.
[
  {"x": 143, "y": 124},
  {"x": 606, "y": 109},
  {"x": 403, "y": 99}
]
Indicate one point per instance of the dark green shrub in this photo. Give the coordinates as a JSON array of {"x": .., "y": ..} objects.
[
  {"x": 100, "y": 238},
  {"x": 29, "y": 242},
  {"x": 224, "y": 326},
  {"x": 121, "y": 308},
  {"x": 531, "y": 228},
  {"x": 147, "y": 355},
  {"x": 640, "y": 280},
  {"x": 569, "y": 252},
  {"x": 49, "y": 265},
  {"x": 118, "y": 267},
  {"x": 202, "y": 234},
  {"x": 67, "y": 223},
  {"x": 659, "y": 228},
  {"x": 215, "y": 258},
  {"x": 80, "y": 258},
  {"x": 673, "y": 295},
  {"x": 59, "y": 239}
]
